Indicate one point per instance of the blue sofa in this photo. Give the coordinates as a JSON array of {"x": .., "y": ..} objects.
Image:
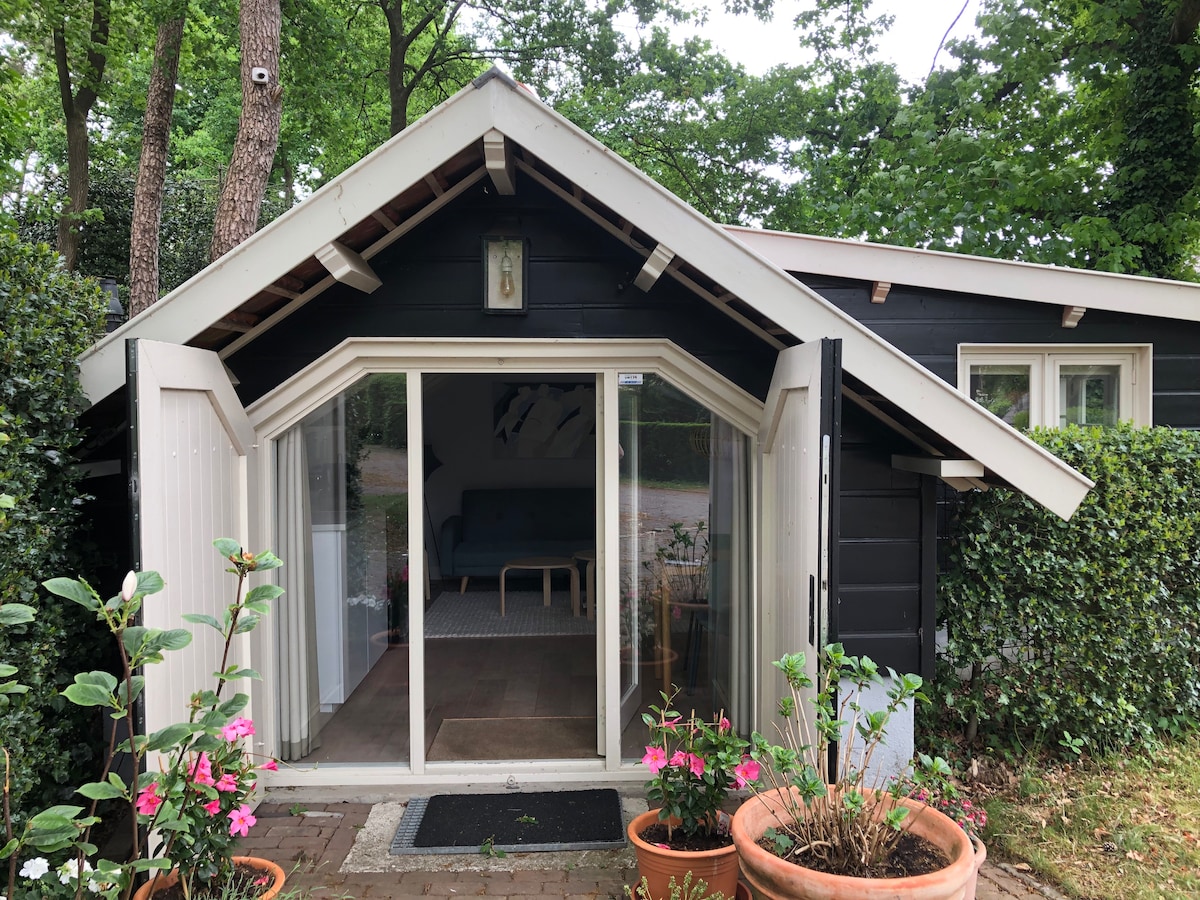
[{"x": 500, "y": 524}]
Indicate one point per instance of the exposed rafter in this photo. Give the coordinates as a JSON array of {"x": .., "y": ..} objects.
[
  {"x": 348, "y": 267},
  {"x": 1072, "y": 315},
  {"x": 383, "y": 219},
  {"x": 656, "y": 264},
  {"x": 435, "y": 184},
  {"x": 499, "y": 162},
  {"x": 619, "y": 232}
]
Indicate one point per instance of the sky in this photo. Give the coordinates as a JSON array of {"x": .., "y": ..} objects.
[{"x": 914, "y": 38}]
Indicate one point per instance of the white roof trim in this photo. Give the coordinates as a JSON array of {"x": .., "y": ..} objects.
[
  {"x": 496, "y": 102},
  {"x": 975, "y": 274}
]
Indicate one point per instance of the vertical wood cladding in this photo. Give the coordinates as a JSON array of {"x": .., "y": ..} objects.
[
  {"x": 580, "y": 286},
  {"x": 929, "y": 325}
]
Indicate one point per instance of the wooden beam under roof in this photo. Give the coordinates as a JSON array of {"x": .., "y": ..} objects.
[
  {"x": 499, "y": 162},
  {"x": 656, "y": 263},
  {"x": 880, "y": 290},
  {"x": 1072, "y": 315},
  {"x": 348, "y": 267}
]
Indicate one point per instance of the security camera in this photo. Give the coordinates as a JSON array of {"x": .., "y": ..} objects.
[{"x": 259, "y": 75}]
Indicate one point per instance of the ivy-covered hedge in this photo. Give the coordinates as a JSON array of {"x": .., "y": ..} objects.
[
  {"x": 1082, "y": 634},
  {"x": 47, "y": 318}
]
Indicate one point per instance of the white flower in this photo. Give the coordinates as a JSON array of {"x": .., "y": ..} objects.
[
  {"x": 70, "y": 870},
  {"x": 34, "y": 868},
  {"x": 129, "y": 586}
]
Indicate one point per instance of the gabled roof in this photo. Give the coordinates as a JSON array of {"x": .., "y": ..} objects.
[
  {"x": 495, "y": 128},
  {"x": 1078, "y": 289}
]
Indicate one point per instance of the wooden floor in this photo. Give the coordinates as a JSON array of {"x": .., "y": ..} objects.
[{"x": 470, "y": 678}]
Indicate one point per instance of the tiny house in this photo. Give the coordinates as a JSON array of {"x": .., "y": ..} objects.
[{"x": 536, "y": 440}]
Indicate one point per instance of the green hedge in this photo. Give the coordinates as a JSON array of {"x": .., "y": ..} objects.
[
  {"x": 47, "y": 317},
  {"x": 670, "y": 452},
  {"x": 1082, "y": 634}
]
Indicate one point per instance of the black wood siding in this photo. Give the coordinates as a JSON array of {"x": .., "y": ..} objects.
[
  {"x": 888, "y": 552},
  {"x": 580, "y": 286},
  {"x": 929, "y": 325}
]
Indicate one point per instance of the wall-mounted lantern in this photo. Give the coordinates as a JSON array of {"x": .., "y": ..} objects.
[{"x": 504, "y": 274}]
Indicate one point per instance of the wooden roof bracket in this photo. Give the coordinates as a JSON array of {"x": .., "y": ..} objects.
[
  {"x": 348, "y": 267},
  {"x": 655, "y": 265},
  {"x": 1072, "y": 315},
  {"x": 499, "y": 162},
  {"x": 879, "y": 291},
  {"x": 960, "y": 474}
]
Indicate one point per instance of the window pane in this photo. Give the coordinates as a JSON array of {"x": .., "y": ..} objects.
[
  {"x": 1003, "y": 390},
  {"x": 1089, "y": 395}
]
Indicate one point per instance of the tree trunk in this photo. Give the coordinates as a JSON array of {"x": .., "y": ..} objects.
[
  {"x": 258, "y": 129},
  {"x": 152, "y": 167},
  {"x": 77, "y": 104}
]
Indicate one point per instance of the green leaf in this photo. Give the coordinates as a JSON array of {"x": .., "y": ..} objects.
[
  {"x": 263, "y": 592},
  {"x": 13, "y": 687},
  {"x": 16, "y": 614},
  {"x": 174, "y": 639},
  {"x": 92, "y": 689},
  {"x": 204, "y": 619},
  {"x": 227, "y": 547},
  {"x": 7, "y": 670},
  {"x": 99, "y": 790},
  {"x": 170, "y": 736},
  {"x": 73, "y": 590}
]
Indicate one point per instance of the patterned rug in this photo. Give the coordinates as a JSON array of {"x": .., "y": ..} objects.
[{"x": 477, "y": 614}]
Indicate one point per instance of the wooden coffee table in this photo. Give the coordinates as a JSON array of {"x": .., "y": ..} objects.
[{"x": 546, "y": 564}]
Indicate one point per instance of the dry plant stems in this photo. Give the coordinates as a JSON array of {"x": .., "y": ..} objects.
[
  {"x": 676, "y": 891},
  {"x": 845, "y": 818}
]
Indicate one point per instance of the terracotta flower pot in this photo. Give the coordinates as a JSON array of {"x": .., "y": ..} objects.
[
  {"x": 980, "y": 859},
  {"x": 719, "y": 868},
  {"x": 777, "y": 879},
  {"x": 150, "y": 888}
]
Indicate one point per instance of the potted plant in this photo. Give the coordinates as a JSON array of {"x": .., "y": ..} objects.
[
  {"x": 822, "y": 825},
  {"x": 683, "y": 560},
  {"x": 196, "y": 796},
  {"x": 693, "y": 764}
]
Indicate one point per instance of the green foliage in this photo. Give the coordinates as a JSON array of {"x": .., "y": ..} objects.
[
  {"x": 1079, "y": 634},
  {"x": 47, "y": 318}
]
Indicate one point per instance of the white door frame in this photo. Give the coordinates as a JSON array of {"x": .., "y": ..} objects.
[{"x": 329, "y": 375}]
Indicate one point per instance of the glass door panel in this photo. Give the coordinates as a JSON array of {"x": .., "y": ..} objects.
[
  {"x": 346, "y": 464},
  {"x": 683, "y": 569}
]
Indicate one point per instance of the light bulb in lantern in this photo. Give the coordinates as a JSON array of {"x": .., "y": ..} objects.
[{"x": 507, "y": 285}]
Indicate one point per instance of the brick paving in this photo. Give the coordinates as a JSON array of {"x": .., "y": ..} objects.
[{"x": 311, "y": 848}]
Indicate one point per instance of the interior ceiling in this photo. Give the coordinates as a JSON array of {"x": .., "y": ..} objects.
[{"x": 397, "y": 216}]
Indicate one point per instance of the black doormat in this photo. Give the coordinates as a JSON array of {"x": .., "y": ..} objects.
[{"x": 545, "y": 820}]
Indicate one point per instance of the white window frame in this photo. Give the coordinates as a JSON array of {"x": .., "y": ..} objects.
[{"x": 1045, "y": 361}]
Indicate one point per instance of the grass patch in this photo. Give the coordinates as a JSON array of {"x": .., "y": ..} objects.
[{"x": 1127, "y": 828}]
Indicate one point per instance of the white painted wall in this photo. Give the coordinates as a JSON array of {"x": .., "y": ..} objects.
[{"x": 893, "y": 758}]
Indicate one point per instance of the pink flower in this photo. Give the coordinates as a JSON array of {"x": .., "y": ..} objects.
[
  {"x": 212, "y": 807},
  {"x": 240, "y": 821},
  {"x": 669, "y": 724},
  {"x": 676, "y": 612},
  {"x": 227, "y": 782},
  {"x": 147, "y": 800},
  {"x": 679, "y": 760},
  {"x": 259, "y": 882},
  {"x": 696, "y": 764},
  {"x": 746, "y": 772},
  {"x": 202, "y": 770},
  {"x": 270, "y": 766},
  {"x": 239, "y": 727},
  {"x": 725, "y": 725},
  {"x": 663, "y": 846},
  {"x": 655, "y": 759}
]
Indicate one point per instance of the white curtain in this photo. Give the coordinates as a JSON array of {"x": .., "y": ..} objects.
[{"x": 295, "y": 612}]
